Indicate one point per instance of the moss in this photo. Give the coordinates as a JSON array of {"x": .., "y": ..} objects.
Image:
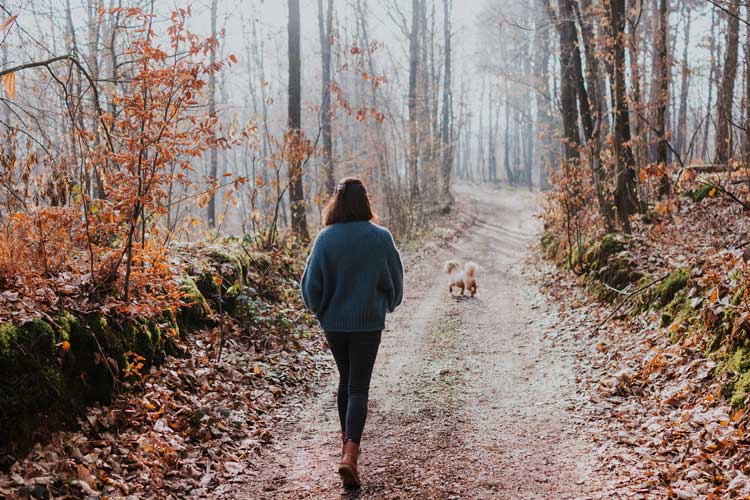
[
  {"x": 678, "y": 309},
  {"x": 196, "y": 310},
  {"x": 144, "y": 343},
  {"x": 599, "y": 252},
  {"x": 233, "y": 266},
  {"x": 611, "y": 244},
  {"x": 549, "y": 243},
  {"x": 245, "y": 263},
  {"x": 618, "y": 273},
  {"x": 8, "y": 335},
  {"x": 37, "y": 339},
  {"x": 738, "y": 295},
  {"x": 31, "y": 381},
  {"x": 234, "y": 291},
  {"x": 665, "y": 291},
  {"x": 68, "y": 326},
  {"x": 172, "y": 327},
  {"x": 577, "y": 254},
  {"x": 740, "y": 391},
  {"x": 733, "y": 369}
]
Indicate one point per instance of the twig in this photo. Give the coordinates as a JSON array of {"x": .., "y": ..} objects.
[
  {"x": 221, "y": 324},
  {"x": 627, "y": 298}
]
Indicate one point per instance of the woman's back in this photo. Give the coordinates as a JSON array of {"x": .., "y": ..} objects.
[{"x": 353, "y": 277}]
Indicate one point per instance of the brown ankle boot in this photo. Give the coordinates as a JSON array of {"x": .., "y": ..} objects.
[{"x": 348, "y": 466}]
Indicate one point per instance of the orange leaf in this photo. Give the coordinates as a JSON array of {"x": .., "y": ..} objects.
[
  {"x": 233, "y": 58},
  {"x": 9, "y": 84},
  {"x": 7, "y": 22}
]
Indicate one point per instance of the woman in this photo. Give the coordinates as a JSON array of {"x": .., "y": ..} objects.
[{"x": 353, "y": 276}]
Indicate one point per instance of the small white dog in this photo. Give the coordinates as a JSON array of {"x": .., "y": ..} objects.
[{"x": 463, "y": 277}]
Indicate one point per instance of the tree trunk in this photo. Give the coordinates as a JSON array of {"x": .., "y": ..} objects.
[
  {"x": 567, "y": 15},
  {"x": 626, "y": 200},
  {"x": 726, "y": 91},
  {"x": 661, "y": 98},
  {"x": 746, "y": 134},
  {"x": 715, "y": 51},
  {"x": 684, "y": 90},
  {"x": 507, "y": 146},
  {"x": 446, "y": 129},
  {"x": 325, "y": 25},
  {"x": 213, "y": 164},
  {"x": 569, "y": 81},
  {"x": 543, "y": 103},
  {"x": 413, "y": 67},
  {"x": 596, "y": 97},
  {"x": 480, "y": 131},
  {"x": 639, "y": 133},
  {"x": 296, "y": 195}
]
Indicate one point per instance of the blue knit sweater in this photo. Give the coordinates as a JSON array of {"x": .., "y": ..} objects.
[{"x": 353, "y": 276}]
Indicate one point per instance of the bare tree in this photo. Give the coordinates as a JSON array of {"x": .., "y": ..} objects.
[
  {"x": 413, "y": 67},
  {"x": 213, "y": 161},
  {"x": 725, "y": 98},
  {"x": 684, "y": 88},
  {"x": 662, "y": 96},
  {"x": 296, "y": 195},
  {"x": 325, "y": 26},
  {"x": 447, "y": 126},
  {"x": 568, "y": 77}
]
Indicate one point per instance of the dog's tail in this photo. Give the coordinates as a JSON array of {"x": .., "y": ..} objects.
[
  {"x": 471, "y": 269},
  {"x": 451, "y": 265}
]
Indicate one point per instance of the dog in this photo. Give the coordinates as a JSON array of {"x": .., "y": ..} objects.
[{"x": 463, "y": 277}]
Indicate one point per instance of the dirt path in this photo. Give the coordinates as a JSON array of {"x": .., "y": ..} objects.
[{"x": 468, "y": 399}]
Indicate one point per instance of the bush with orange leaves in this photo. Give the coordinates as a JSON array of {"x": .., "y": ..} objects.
[
  {"x": 109, "y": 250},
  {"x": 571, "y": 216}
]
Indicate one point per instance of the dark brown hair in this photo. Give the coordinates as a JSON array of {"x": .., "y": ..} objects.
[{"x": 349, "y": 202}]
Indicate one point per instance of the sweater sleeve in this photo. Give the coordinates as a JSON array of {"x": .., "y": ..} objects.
[
  {"x": 395, "y": 275},
  {"x": 312, "y": 278}
]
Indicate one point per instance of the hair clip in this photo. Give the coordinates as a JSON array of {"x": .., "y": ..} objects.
[{"x": 340, "y": 187}]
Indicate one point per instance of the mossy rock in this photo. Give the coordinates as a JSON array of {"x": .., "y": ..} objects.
[
  {"x": 196, "y": 311},
  {"x": 230, "y": 266},
  {"x": 600, "y": 252},
  {"x": 207, "y": 285},
  {"x": 31, "y": 381},
  {"x": 37, "y": 339},
  {"x": 678, "y": 309},
  {"x": 665, "y": 291}
]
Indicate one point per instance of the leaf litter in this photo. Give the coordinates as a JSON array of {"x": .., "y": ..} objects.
[{"x": 664, "y": 428}]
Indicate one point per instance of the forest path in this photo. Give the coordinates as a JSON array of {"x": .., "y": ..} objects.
[{"x": 467, "y": 400}]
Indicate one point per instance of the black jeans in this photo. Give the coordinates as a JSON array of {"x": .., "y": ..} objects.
[{"x": 355, "y": 354}]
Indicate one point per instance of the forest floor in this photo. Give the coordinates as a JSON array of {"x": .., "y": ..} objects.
[{"x": 470, "y": 398}]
